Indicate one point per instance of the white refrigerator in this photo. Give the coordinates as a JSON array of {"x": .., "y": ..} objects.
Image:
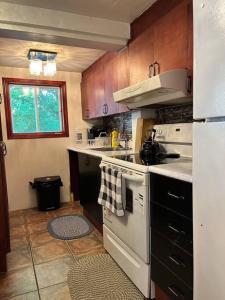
[{"x": 209, "y": 150}]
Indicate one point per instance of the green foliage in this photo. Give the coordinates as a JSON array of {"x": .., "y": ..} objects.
[
  {"x": 49, "y": 110},
  {"x": 35, "y": 109}
]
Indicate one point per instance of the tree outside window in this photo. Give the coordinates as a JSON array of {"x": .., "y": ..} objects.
[{"x": 35, "y": 109}]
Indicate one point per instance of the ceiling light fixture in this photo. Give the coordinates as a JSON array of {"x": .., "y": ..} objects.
[
  {"x": 50, "y": 68},
  {"x": 42, "y": 61},
  {"x": 35, "y": 67}
]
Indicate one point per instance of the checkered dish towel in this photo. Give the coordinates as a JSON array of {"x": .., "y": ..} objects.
[{"x": 110, "y": 195}]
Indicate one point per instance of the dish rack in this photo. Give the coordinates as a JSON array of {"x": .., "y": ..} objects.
[{"x": 94, "y": 143}]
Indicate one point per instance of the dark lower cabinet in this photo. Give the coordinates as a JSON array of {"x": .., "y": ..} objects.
[
  {"x": 172, "y": 236},
  {"x": 172, "y": 285},
  {"x": 89, "y": 181},
  {"x": 172, "y": 227}
]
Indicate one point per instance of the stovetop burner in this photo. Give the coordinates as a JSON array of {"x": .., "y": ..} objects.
[{"x": 135, "y": 158}]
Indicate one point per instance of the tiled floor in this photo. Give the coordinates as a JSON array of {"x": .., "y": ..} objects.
[{"x": 38, "y": 264}]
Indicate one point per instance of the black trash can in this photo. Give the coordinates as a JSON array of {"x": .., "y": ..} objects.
[{"x": 48, "y": 192}]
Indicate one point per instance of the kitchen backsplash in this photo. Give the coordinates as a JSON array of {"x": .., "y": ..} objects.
[
  {"x": 167, "y": 115},
  {"x": 175, "y": 114},
  {"x": 123, "y": 122}
]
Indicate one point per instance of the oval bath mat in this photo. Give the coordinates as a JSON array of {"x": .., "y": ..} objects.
[
  {"x": 69, "y": 227},
  {"x": 98, "y": 277}
]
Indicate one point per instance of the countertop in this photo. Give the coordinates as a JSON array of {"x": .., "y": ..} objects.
[
  {"x": 99, "y": 153},
  {"x": 180, "y": 170}
]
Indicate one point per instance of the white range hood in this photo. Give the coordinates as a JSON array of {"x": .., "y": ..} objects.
[{"x": 166, "y": 88}]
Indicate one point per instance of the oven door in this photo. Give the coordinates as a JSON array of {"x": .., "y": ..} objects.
[
  {"x": 133, "y": 228},
  {"x": 129, "y": 262}
]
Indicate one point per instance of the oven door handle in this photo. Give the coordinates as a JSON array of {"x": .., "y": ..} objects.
[{"x": 128, "y": 177}]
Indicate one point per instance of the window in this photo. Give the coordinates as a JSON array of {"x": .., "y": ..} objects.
[{"x": 35, "y": 108}]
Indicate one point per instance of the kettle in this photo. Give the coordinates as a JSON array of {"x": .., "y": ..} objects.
[{"x": 150, "y": 149}]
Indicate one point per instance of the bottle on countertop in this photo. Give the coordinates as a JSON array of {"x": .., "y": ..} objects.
[{"x": 115, "y": 135}]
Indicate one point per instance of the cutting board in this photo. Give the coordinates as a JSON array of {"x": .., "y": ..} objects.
[
  {"x": 143, "y": 130},
  {"x": 138, "y": 136}
]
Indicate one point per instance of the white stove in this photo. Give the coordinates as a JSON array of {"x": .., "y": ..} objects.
[{"x": 127, "y": 239}]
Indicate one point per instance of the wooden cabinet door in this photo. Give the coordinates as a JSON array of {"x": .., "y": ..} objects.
[
  {"x": 4, "y": 217},
  {"x": 141, "y": 55},
  {"x": 122, "y": 74},
  {"x": 122, "y": 70},
  {"x": 93, "y": 92},
  {"x": 84, "y": 98},
  {"x": 98, "y": 89},
  {"x": 110, "y": 82},
  {"x": 87, "y": 95},
  {"x": 171, "y": 38}
]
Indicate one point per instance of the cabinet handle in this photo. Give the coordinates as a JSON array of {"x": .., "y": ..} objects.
[
  {"x": 151, "y": 71},
  {"x": 106, "y": 109},
  {"x": 171, "y": 195},
  {"x": 175, "y": 292},
  {"x": 177, "y": 261},
  {"x": 3, "y": 148},
  {"x": 156, "y": 68}
]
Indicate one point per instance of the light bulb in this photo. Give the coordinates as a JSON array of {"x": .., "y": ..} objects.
[
  {"x": 35, "y": 67},
  {"x": 50, "y": 68}
]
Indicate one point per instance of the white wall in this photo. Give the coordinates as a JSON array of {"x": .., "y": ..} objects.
[{"x": 31, "y": 158}]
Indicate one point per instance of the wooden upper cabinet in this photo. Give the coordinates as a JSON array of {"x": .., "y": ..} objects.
[
  {"x": 84, "y": 97},
  {"x": 100, "y": 81},
  {"x": 171, "y": 39},
  {"x": 168, "y": 40},
  {"x": 141, "y": 55},
  {"x": 93, "y": 91},
  {"x": 122, "y": 69},
  {"x": 122, "y": 74},
  {"x": 98, "y": 89},
  {"x": 190, "y": 38},
  {"x": 110, "y": 82},
  {"x": 87, "y": 95}
]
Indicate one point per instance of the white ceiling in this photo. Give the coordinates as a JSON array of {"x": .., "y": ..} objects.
[
  {"x": 13, "y": 53},
  {"x": 118, "y": 10}
]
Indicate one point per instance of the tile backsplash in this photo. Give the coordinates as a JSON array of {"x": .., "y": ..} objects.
[
  {"x": 168, "y": 115},
  {"x": 123, "y": 122},
  {"x": 175, "y": 114}
]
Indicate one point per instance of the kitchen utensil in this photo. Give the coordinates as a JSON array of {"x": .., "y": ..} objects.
[
  {"x": 150, "y": 149},
  {"x": 102, "y": 140}
]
